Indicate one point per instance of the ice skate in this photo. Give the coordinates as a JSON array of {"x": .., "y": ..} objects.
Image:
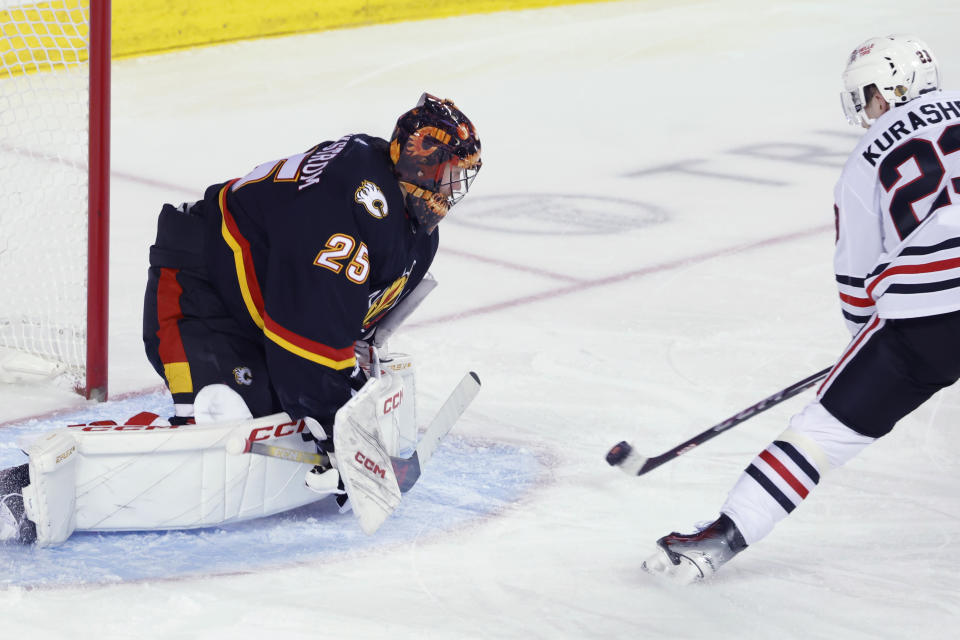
[
  {"x": 686, "y": 558},
  {"x": 14, "y": 525},
  {"x": 8, "y": 523},
  {"x": 15, "y": 528}
]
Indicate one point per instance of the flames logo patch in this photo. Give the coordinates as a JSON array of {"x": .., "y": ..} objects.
[{"x": 383, "y": 300}]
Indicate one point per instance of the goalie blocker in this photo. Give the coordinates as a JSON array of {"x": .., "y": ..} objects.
[{"x": 147, "y": 474}]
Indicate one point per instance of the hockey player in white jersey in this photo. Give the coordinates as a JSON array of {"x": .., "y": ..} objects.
[{"x": 897, "y": 264}]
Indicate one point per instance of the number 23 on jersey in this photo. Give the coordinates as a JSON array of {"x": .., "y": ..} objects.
[{"x": 929, "y": 160}]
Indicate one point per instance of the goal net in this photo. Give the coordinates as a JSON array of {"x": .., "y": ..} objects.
[{"x": 54, "y": 106}]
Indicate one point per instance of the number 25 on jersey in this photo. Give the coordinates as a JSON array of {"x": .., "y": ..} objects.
[{"x": 339, "y": 248}]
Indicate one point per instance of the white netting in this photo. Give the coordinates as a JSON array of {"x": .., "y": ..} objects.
[{"x": 43, "y": 174}]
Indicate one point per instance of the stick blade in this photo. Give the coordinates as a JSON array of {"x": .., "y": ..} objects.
[{"x": 407, "y": 471}]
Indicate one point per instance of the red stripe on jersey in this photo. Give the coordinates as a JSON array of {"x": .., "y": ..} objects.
[
  {"x": 248, "y": 274},
  {"x": 850, "y": 350},
  {"x": 856, "y": 302},
  {"x": 930, "y": 267},
  {"x": 169, "y": 314},
  {"x": 791, "y": 479},
  {"x": 319, "y": 349}
]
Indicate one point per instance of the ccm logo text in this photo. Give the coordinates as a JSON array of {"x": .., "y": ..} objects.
[
  {"x": 370, "y": 465},
  {"x": 393, "y": 402},
  {"x": 277, "y": 431}
]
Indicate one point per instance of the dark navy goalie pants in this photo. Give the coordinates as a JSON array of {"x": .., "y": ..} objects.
[{"x": 189, "y": 336}]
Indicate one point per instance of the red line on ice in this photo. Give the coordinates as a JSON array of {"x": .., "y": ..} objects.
[{"x": 585, "y": 285}]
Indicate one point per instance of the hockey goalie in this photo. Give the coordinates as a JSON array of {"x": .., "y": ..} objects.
[{"x": 267, "y": 305}]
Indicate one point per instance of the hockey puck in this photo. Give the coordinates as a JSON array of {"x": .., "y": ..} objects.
[
  {"x": 237, "y": 445},
  {"x": 618, "y": 453}
]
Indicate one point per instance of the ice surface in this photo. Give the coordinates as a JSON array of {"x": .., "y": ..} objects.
[{"x": 646, "y": 252}]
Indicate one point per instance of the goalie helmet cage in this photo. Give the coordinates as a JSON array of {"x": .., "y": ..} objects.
[{"x": 55, "y": 168}]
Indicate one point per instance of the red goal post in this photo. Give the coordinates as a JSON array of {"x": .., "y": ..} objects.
[
  {"x": 55, "y": 168},
  {"x": 98, "y": 202}
]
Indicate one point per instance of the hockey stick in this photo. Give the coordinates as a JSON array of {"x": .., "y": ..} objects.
[
  {"x": 451, "y": 410},
  {"x": 630, "y": 462},
  {"x": 293, "y": 455},
  {"x": 407, "y": 470}
]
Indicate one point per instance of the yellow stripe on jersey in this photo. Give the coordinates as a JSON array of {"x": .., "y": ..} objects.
[
  {"x": 246, "y": 277},
  {"x": 339, "y": 365},
  {"x": 178, "y": 377}
]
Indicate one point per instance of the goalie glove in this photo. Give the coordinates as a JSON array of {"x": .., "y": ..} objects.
[{"x": 367, "y": 356}]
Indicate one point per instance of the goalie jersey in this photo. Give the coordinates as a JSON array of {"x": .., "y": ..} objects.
[
  {"x": 306, "y": 254},
  {"x": 897, "y": 207}
]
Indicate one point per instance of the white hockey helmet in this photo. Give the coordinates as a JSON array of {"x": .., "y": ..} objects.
[{"x": 901, "y": 67}]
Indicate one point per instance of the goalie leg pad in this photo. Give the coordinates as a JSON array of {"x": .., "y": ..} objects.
[
  {"x": 134, "y": 477},
  {"x": 404, "y": 409},
  {"x": 361, "y": 457},
  {"x": 50, "y": 498}
]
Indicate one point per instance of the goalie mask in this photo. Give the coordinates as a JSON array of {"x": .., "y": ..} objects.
[
  {"x": 436, "y": 156},
  {"x": 900, "y": 67}
]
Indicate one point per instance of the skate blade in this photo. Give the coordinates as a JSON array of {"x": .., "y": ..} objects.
[{"x": 660, "y": 565}]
